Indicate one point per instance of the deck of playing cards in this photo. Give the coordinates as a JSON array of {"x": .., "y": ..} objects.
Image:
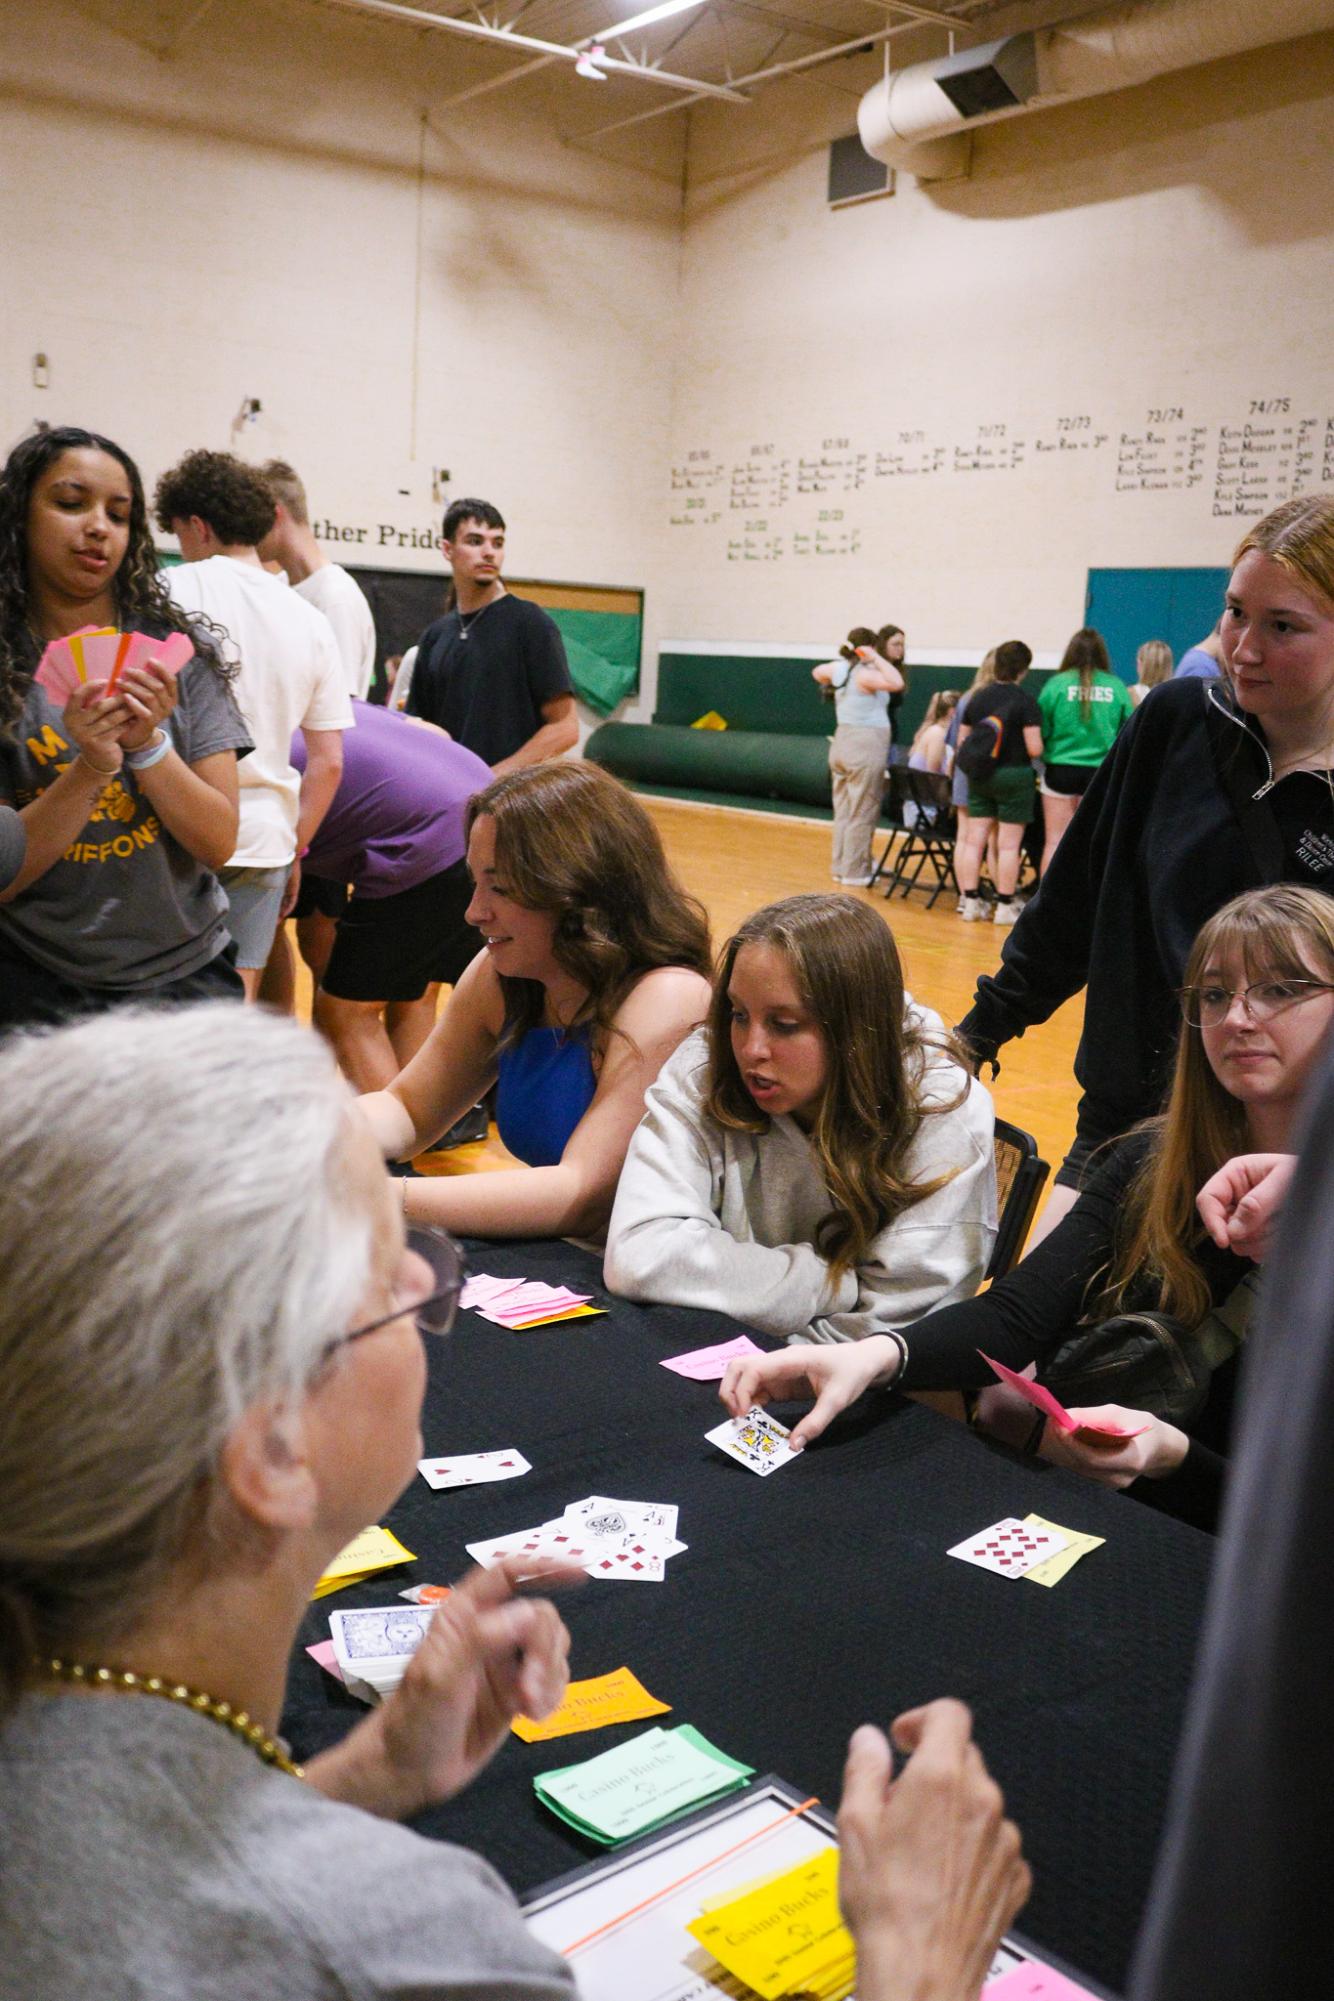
[
  {"x": 756, "y": 1440},
  {"x": 629, "y": 1540},
  {"x": 373, "y": 1646}
]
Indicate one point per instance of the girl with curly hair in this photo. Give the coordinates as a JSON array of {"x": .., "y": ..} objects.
[
  {"x": 128, "y": 800},
  {"x": 818, "y": 1161},
  {"x": 593, "y": 969}
]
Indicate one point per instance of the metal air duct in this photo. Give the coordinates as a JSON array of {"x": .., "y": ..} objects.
[{"x": 919, "y": 118}]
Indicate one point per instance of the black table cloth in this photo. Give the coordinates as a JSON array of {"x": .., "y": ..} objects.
[{"x": 807, "y": 1602}]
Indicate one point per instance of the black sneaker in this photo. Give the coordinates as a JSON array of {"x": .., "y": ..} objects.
[{"x": 474, "y": 1125}]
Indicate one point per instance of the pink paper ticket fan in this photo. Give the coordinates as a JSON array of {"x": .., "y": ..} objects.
[{"x": 1042, "y": 1399}]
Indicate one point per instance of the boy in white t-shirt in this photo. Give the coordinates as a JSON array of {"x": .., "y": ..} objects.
[
  {"x": 325, "y": 584},
  {"x": 290, "y": 677}
]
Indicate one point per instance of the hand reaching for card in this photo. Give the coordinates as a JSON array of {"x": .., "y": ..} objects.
[
  {"x": 1156, "y": 1450},
  {"x": 930, "y": 1871},
  {"x": 488, "y": 1656},
  {"x": 834, "y": 1373}
]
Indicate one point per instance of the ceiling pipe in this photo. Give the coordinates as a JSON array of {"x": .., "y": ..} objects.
[
  {"x": 920, "y": 118},
  {"x": 479, "y": 31},
  {"x": 758, "y": 76}
]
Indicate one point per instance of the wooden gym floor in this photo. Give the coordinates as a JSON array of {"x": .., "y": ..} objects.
[{"x": 735, "y": 861}]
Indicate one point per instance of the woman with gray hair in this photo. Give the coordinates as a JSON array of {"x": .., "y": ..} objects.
[
  {"x": 209, "y": 1381},
  {"x": 194, "y": 1328}
]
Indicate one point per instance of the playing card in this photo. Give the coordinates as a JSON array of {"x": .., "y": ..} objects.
[
  {"x": 471, "y": 1469},
  {"x": 757, "y": 1441},
  {"x": 1010, "y": 1547},
  {"x": 635, "y": 1562},
  {"x": 606, "y": 1519},
  {"x": 555, "y": 1540}
]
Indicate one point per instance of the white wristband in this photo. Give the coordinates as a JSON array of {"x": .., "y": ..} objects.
[{"x": 151, "y": 754}]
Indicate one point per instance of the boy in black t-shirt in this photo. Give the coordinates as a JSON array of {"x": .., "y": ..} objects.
[
  {"x": 493, "y": 670},
  {"x": 1004, "y": 721}
]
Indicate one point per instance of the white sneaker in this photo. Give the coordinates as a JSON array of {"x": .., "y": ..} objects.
[
  {"x": 973, "y": 910},
  {"x": 856, "y": 881},
  {"x": 1008, "y": 912}
]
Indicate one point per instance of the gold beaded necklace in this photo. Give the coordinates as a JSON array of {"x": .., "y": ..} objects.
[{"x": 123, "y": 1681}]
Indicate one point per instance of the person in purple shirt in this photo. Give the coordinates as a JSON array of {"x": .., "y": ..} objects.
[
  {"x": 394, "y": 836},
  {"x": 1203, "y": 661}
]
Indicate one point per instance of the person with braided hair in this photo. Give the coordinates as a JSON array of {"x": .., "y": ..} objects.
[{"x": 129, "y": 800}]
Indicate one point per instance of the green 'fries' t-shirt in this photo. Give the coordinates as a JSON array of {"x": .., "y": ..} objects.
[
  {"x": 126, "y": 906},
  {"x": 1068, "y": 736}
]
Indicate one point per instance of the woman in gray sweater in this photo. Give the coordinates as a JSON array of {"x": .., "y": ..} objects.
[{"x": 817, "y": 1161}]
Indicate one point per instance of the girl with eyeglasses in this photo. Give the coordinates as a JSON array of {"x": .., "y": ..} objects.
[{"x": 1257, "y": 1005}]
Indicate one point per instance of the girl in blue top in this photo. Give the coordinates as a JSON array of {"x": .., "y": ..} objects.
[{"x": 594, "y": 968}]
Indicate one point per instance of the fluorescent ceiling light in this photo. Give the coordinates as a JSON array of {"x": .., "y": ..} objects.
[{"x": 649, "y": 15}]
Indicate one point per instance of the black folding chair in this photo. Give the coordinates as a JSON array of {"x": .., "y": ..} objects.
[
  {"x": 1021, "y": 1176},
  {"x": 929, "y": 837},
  {"x": 897, "y": 796}
]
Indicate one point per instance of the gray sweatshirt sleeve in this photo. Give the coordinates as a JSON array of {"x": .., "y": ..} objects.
[{"x": 666, "y": 1241}]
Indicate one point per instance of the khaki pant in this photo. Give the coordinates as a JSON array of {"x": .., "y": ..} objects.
[{"x": 857, "y": 759}]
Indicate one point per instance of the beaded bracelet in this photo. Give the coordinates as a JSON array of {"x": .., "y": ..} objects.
[{"x": 151, "y": 754}]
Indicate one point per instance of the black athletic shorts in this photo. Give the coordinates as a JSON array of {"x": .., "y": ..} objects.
[
  {"x": 30, "y": 995},
  {"x": 317, "y": 893},
  {"x": 1068, "y": 780},
  {"x": 391, "y": 948}
]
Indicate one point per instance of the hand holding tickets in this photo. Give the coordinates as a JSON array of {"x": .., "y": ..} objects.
[
  {"x": 1042, "y": 1399},
  {"x": 485, "y": 1656},
  {"x": 100, "y": 653},
  {"x": 931, "y": 1873}
]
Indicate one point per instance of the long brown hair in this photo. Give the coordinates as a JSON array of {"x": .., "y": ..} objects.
[
  {"x": 571, "y": 839},
  {"x": 846, "y": 968},
  {"x": 1283, "y": 932},
  {"x": 1086, "y": 655}
]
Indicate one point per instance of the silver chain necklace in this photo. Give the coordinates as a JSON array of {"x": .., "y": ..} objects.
[{"x": 465, "y": 627}]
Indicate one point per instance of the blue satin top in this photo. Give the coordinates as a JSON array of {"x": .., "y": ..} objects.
[{"x": 544, "y": 1087}]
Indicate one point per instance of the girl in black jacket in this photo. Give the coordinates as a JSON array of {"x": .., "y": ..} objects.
[{"x": 1213, "y": 787}]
